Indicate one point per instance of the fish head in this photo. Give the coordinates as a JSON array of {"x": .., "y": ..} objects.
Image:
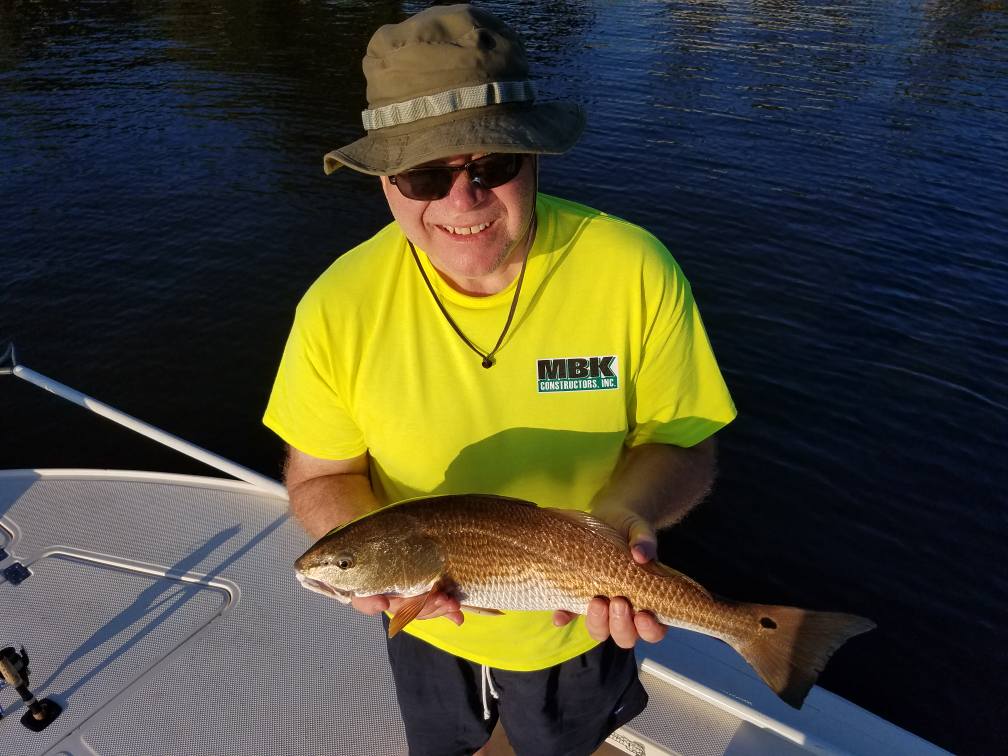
[{"x": 377, "y": 554}]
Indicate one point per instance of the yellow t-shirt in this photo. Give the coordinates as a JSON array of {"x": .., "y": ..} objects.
[{"x": 606, "y": 349}]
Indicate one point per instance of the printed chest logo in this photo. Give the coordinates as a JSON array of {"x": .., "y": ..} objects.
[{"x": 577, "y": 374}]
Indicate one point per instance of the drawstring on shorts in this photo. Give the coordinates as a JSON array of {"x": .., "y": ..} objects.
[{"x": 487, "y": 684}]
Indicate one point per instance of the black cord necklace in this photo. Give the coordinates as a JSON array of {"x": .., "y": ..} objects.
[
  {"x": 528, "y": 233},
  {"x": 488, "y": 360}
]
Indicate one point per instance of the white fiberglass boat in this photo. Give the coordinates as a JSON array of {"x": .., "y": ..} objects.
[{"x": 161, "y": 615}]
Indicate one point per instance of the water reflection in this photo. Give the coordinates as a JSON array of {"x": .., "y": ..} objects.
[{"x": 960, "y": 43}]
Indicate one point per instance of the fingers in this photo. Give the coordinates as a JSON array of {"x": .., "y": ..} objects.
[
  {"x": 597, "y": 619},
  {"x": 621, "y": 623},
  {"x": 648, "y": 628},
  {"x": 561, "y": 617},
  {"x": 441, "y": 605},
  {"x": 616, "y": 618},
  {"x": 640, "y": 534},
  {"x": 370, "y": 605},
  {"x": 437, "y": 605}
]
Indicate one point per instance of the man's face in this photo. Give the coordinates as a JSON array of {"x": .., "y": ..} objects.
[{"x": 486, "y": 259}]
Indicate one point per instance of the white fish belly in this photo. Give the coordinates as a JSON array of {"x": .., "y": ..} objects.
[
  {"x": 521, "y": 597},
  {"x": 541, "y": 596}
]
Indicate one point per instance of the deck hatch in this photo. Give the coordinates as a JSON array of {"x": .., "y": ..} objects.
[{"x": 93, "y": 629}]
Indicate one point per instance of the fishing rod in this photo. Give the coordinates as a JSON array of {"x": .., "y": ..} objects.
[
  {"x": 14, "y": 672},
  {"x": 9, "y": 366}
]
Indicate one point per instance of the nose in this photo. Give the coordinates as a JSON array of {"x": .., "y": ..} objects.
[{"x": 464, "y": 192}]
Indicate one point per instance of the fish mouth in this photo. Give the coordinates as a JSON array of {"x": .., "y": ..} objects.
[{"x": 324, "y": 588}]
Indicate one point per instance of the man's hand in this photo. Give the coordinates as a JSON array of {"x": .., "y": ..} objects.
[
  {"x": 615, "y": 616},
  {"x": 663, "y": 482},
  {"x": 438, "y": 605}
]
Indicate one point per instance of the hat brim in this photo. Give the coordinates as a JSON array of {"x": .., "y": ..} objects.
[{"x": 548, "y": 128}]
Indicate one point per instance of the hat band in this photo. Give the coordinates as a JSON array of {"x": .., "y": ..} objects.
[{"x": 450, "y": 101}]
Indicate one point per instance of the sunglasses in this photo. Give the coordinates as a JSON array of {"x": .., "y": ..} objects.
[{"x": 489, "y": 172}]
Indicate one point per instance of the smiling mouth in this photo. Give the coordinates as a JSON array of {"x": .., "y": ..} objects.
[{"x": 466, "y": 230}]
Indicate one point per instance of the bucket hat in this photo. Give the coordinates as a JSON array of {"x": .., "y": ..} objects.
[{"x": 451, "y": 80}]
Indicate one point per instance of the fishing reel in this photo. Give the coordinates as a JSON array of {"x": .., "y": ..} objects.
[{"x": 15, "y": 672}]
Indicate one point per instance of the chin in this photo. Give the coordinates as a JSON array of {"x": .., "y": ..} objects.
[{"x": 471, "y": 262}]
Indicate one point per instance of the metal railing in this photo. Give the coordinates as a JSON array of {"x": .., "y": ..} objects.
[{"x": 9, "y": 365}]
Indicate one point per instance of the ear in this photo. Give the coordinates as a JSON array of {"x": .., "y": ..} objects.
[{"x": 387, "y": 190}]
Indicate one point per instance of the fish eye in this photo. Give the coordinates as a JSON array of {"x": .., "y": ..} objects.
[{"x": 345, "y": 562}]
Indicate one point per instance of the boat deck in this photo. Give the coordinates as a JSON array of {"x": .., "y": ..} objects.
[{"x": 161, "y": 611}]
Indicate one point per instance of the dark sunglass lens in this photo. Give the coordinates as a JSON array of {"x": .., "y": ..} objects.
[
  {"x": 495, "y": 170},
  {"x": 435, "y": 183},
  {"x": 425, "y": 184}
]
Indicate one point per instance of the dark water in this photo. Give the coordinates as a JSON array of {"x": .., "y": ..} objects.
[{"x": 832, "y": 177}]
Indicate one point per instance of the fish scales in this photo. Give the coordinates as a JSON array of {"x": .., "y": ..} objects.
[
  {"x": 525, "y": 561},
  {"x": 496, "y": 553}
]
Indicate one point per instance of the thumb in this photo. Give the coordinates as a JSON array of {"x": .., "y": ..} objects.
[{"x": 643, "y": 541}]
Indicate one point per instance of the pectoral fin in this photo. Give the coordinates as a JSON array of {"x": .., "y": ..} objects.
[
  {"x": 408, "y": 611},
  {"x": 481, "y": 611}
]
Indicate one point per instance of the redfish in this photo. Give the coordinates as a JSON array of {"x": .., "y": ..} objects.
[{"x": 495, "y": 553}]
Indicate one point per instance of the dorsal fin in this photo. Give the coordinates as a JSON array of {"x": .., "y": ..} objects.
[
  {"x": 614, "y": 536},
  {"x": 463, "y": 496},
  {"x": 594, "y": 524}
]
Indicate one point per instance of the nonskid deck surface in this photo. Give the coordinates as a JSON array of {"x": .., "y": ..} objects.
[{"x": 162, "y": 613}]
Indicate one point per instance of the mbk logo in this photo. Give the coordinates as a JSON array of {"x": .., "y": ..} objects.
[
  {"x": 577, "y": 374},
  {"x": 577, "y": 367}
]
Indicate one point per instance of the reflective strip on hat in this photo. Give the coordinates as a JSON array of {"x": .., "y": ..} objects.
[{"x": 443, "y": 103}]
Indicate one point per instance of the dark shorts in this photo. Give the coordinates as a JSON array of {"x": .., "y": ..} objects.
[{"x": 566, "y": 710}]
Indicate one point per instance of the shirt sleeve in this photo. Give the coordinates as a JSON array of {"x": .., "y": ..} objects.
[
  {"x": 307, "y": 407},
  {"x": 679, "y": 395}
]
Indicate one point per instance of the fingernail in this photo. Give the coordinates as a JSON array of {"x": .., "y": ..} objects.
[
  {"x": 617, "y": 608},
  {"x": 643, "y": 553}
]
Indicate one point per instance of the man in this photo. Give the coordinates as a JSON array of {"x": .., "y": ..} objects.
[{"x": 496, "y": 340}]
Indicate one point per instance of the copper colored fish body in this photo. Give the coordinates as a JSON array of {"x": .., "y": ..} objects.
[{"x": 496, "y": 553}]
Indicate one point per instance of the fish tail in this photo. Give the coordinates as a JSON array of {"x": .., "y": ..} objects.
[{"x": 790, "y": 646}]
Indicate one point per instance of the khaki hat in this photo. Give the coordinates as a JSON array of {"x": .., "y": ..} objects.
[{"x": 451, "y": 80}]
